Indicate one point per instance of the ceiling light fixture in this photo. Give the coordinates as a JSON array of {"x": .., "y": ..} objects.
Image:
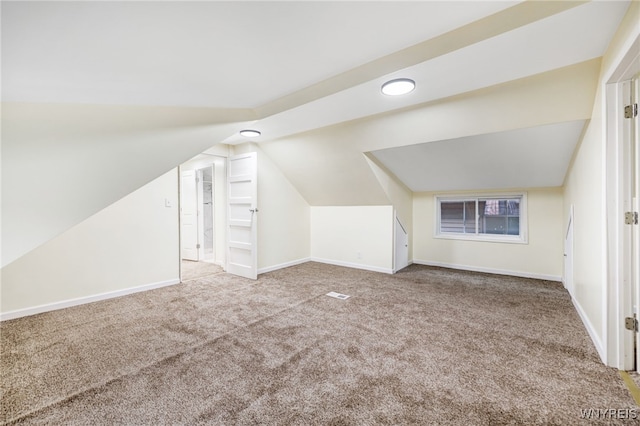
[
  {"x": 250, "y": 133},
  {"x": 398, "y": 86}
]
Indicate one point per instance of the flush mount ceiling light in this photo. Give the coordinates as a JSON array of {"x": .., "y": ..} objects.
[
  {"x": 398, "y": 86},
  {"x": 250, "y": 133}
]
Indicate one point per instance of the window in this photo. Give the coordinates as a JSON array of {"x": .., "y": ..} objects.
[{"x": 490, "y": 218}]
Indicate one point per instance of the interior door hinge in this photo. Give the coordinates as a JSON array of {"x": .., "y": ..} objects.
[
  {"x": 197, "y": 246},
  {"x": 630, "y": 218},
  {"x": 631, "y": 323},
  {"x": 631, "y": 111}
]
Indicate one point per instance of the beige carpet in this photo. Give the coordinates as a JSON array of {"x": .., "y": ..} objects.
[
  {"x": 426, "y": 346},
  {"x": 192, "y": 270}
]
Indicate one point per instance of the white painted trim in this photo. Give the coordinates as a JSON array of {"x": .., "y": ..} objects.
[
  {"x": 353, "y": 265},
  {"x": 617, "y": 294},
  {"x": 523, "y": 238},
  {"x": 521, "y": 274},
  {"x": 408, "y": 264},
  {"x": 617, "y": 299},
  {"x": 396, "y": 219},
  {"x": 394, "y": 249},
  {"x": 604, "y": 249},
  {"x": 591, "y": 330},
  {"x": 569, "y": 227},
  {"x": 620, "y": 65},
  {"x": 283, "y": 265},
  {"x": 83, "y": 300}
]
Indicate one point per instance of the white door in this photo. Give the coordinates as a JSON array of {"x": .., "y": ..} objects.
[
  {"x": 189, "y": 215},
  {"x": 199, "y": 207},
  {"x": 635, "y": 207},
  {"x": 206, "y": 216},
  {"x": 568, "y": 255},
  {"x": 242, "y": 231},
  {"x": 402, "y": 246}
]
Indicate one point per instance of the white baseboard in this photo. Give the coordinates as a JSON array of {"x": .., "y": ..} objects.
[
  {"x": 591, "y": 330},
  {"x": 490, "y": 270},
  {"x": 353, "y": 265},
  {"x": 283, "y": 265},
  {"x": 395, "y": 271},
  {"x": 82, "y": 300}
]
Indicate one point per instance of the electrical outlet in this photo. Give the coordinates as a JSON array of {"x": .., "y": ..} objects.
[{"x": 359, "y": 255}]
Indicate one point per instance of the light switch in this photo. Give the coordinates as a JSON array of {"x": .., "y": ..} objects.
[{"x": 167, "y": 202}]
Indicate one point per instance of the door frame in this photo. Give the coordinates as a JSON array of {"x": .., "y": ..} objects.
[
  {"x": 396, "y": 243},
  {"x": 618, "y": 297},
  {"x": 190, "y": 207},
  {"x": 201, "y": 223},
  {"x": 567, "y": 278},
  {"x": 221, "y": 228}
]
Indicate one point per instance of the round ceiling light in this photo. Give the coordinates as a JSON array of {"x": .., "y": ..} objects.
[
  {"x": 250, "y": 133},
  {"x": 399, "y": 86}
]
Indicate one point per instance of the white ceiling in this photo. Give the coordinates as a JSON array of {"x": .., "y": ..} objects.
[
  {"x": 523, "y": 158},
  {"x": 204, "y": 54},
  {"x": 570, "y": 37},
  {"x": 301, "y": 66}
]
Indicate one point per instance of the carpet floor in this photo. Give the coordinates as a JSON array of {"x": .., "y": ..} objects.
[
  {"x": 425, "y": 346},
  {"x": 192, "y": 270}
]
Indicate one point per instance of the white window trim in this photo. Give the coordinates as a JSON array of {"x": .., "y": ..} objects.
[{"x": 511, "y": 239}]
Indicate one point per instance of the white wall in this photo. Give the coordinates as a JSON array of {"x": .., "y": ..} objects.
[
  {"x": 399, "y": 195},
  {"x": 64, "y": 163},
  {"x": 283, "y": 216},
  {"x": 541, "y": 257},
  {"x": 130, "y": 246},
  {"x": 355, "y": 236},
  {"x": 585, "y": 190},
  {"x": 565, "y": 94}
]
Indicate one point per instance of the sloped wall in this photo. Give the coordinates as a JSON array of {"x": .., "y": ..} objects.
[
  {"x": 328, "y": 168},
  {"x": 400, "y": 197},
  {"x": 64, "y": 163},
  {"x": 130, "y": 246}
]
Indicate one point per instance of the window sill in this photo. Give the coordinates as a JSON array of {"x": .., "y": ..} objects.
[{"x": 484, "y": 238}]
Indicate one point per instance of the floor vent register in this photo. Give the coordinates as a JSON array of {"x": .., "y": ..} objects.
[{"x": 338, "y": 295}]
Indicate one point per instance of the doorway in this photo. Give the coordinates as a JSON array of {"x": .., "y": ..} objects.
[
  {"x": 568, "y": 255},
  {"x": 401, "y": 248},
  {"x": 205, "y": 202},
  {"x": 631, "y": 219},
  {"x": 623, "y": 231},
  {"x": 203, "y": 219}
]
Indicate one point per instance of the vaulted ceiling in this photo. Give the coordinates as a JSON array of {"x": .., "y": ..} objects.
[
  {"x": 296, "y": 70},
  {"x": 233, "y": 54}
]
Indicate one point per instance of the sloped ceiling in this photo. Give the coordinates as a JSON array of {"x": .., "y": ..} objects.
[
  {"x": 306, "y": 74},
  {"x": 328, "y": 165},
  {"x": 298, "y": 65},
  {"x": 515, "y": 43},
  {"x": 220, "y": 54},
  {"x": 511, "y": 159}
]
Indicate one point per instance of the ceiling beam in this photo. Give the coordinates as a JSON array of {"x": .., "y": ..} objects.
[{"x": 504, "y": 21}]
